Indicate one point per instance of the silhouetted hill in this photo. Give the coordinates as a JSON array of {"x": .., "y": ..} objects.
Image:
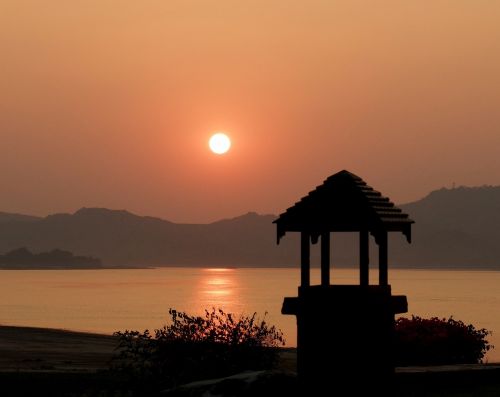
[
  {"x": 458, "y": 227},
  {"x": 122, "y": 238},
  {"x": 7, "y": 217},
  {"x": 454, "y": 228}
]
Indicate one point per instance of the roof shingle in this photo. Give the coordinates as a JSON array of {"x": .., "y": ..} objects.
[{"x": 344, "y": 203}]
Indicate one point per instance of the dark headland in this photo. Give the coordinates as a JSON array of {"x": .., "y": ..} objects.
[{"x": 22, "y": 258}]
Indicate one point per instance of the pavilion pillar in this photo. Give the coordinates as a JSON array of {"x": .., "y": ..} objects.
[
  {"x": 325, "y": 259},
  {"x": 305, "y": 261},
  {"x": 383, "y": 259},
  {"x": 364, "y": 259}
]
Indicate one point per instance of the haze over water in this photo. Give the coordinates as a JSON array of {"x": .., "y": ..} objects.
[{"x": 108, "y": 300}]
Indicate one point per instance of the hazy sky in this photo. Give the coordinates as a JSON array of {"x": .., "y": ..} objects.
[{"x": 111, "y": 103}]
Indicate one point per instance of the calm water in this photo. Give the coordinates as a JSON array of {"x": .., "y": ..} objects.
[{"x": 111, "y": 300}]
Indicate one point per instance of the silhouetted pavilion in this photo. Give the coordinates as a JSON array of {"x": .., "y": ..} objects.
[{"x": 349, "y": 326}]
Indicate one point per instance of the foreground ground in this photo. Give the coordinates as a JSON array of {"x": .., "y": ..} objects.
[
  {"x": 41, "y": 349},
  {"x": 37, "y": 361}
]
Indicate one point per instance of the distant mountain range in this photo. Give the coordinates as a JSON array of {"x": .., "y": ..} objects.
[{"x": 454, "y": 228}]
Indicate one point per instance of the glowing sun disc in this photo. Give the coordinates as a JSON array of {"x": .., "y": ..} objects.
[{"x": 219, "y": 143}]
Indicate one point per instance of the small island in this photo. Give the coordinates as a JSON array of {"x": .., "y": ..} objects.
[{"x": 22, "y": 258}]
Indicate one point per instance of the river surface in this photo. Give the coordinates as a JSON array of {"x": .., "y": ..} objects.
[{"x": 109, "y": 300}]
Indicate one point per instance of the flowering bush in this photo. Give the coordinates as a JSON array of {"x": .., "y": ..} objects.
[
  {"x": 195, "y": 347},
  {"x": 436, "y": 341}
]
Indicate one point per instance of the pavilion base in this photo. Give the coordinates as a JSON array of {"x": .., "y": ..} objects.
[{"x": 344, "y": 334}]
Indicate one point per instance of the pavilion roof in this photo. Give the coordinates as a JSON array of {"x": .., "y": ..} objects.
[{"x": 344, "y": 203}]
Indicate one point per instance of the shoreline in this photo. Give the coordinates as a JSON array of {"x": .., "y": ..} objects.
[
  {"x": 48, "y": 349},
  {"x": 24, "y": 348}
]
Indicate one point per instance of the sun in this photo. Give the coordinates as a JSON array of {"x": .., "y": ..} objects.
[{"x": 219, "y": 143}]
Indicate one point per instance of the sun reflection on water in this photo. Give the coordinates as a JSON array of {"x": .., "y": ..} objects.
[{"x": 218, "y": 288}]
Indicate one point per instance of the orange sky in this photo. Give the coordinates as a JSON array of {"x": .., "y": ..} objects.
[{"x": 111, "y": 103}]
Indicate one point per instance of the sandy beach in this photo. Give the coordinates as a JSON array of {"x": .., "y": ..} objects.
[{"x": 42, "y": 349}]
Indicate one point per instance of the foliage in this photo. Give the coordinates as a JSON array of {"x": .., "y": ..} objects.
[
  {"x": 195, "y": 347},
  {"x": 436, "y": 341}
]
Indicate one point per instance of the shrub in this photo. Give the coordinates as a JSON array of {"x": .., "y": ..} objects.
[
  {"x": 436, "y": 341},
  {"x": 195, "y": 347}
]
